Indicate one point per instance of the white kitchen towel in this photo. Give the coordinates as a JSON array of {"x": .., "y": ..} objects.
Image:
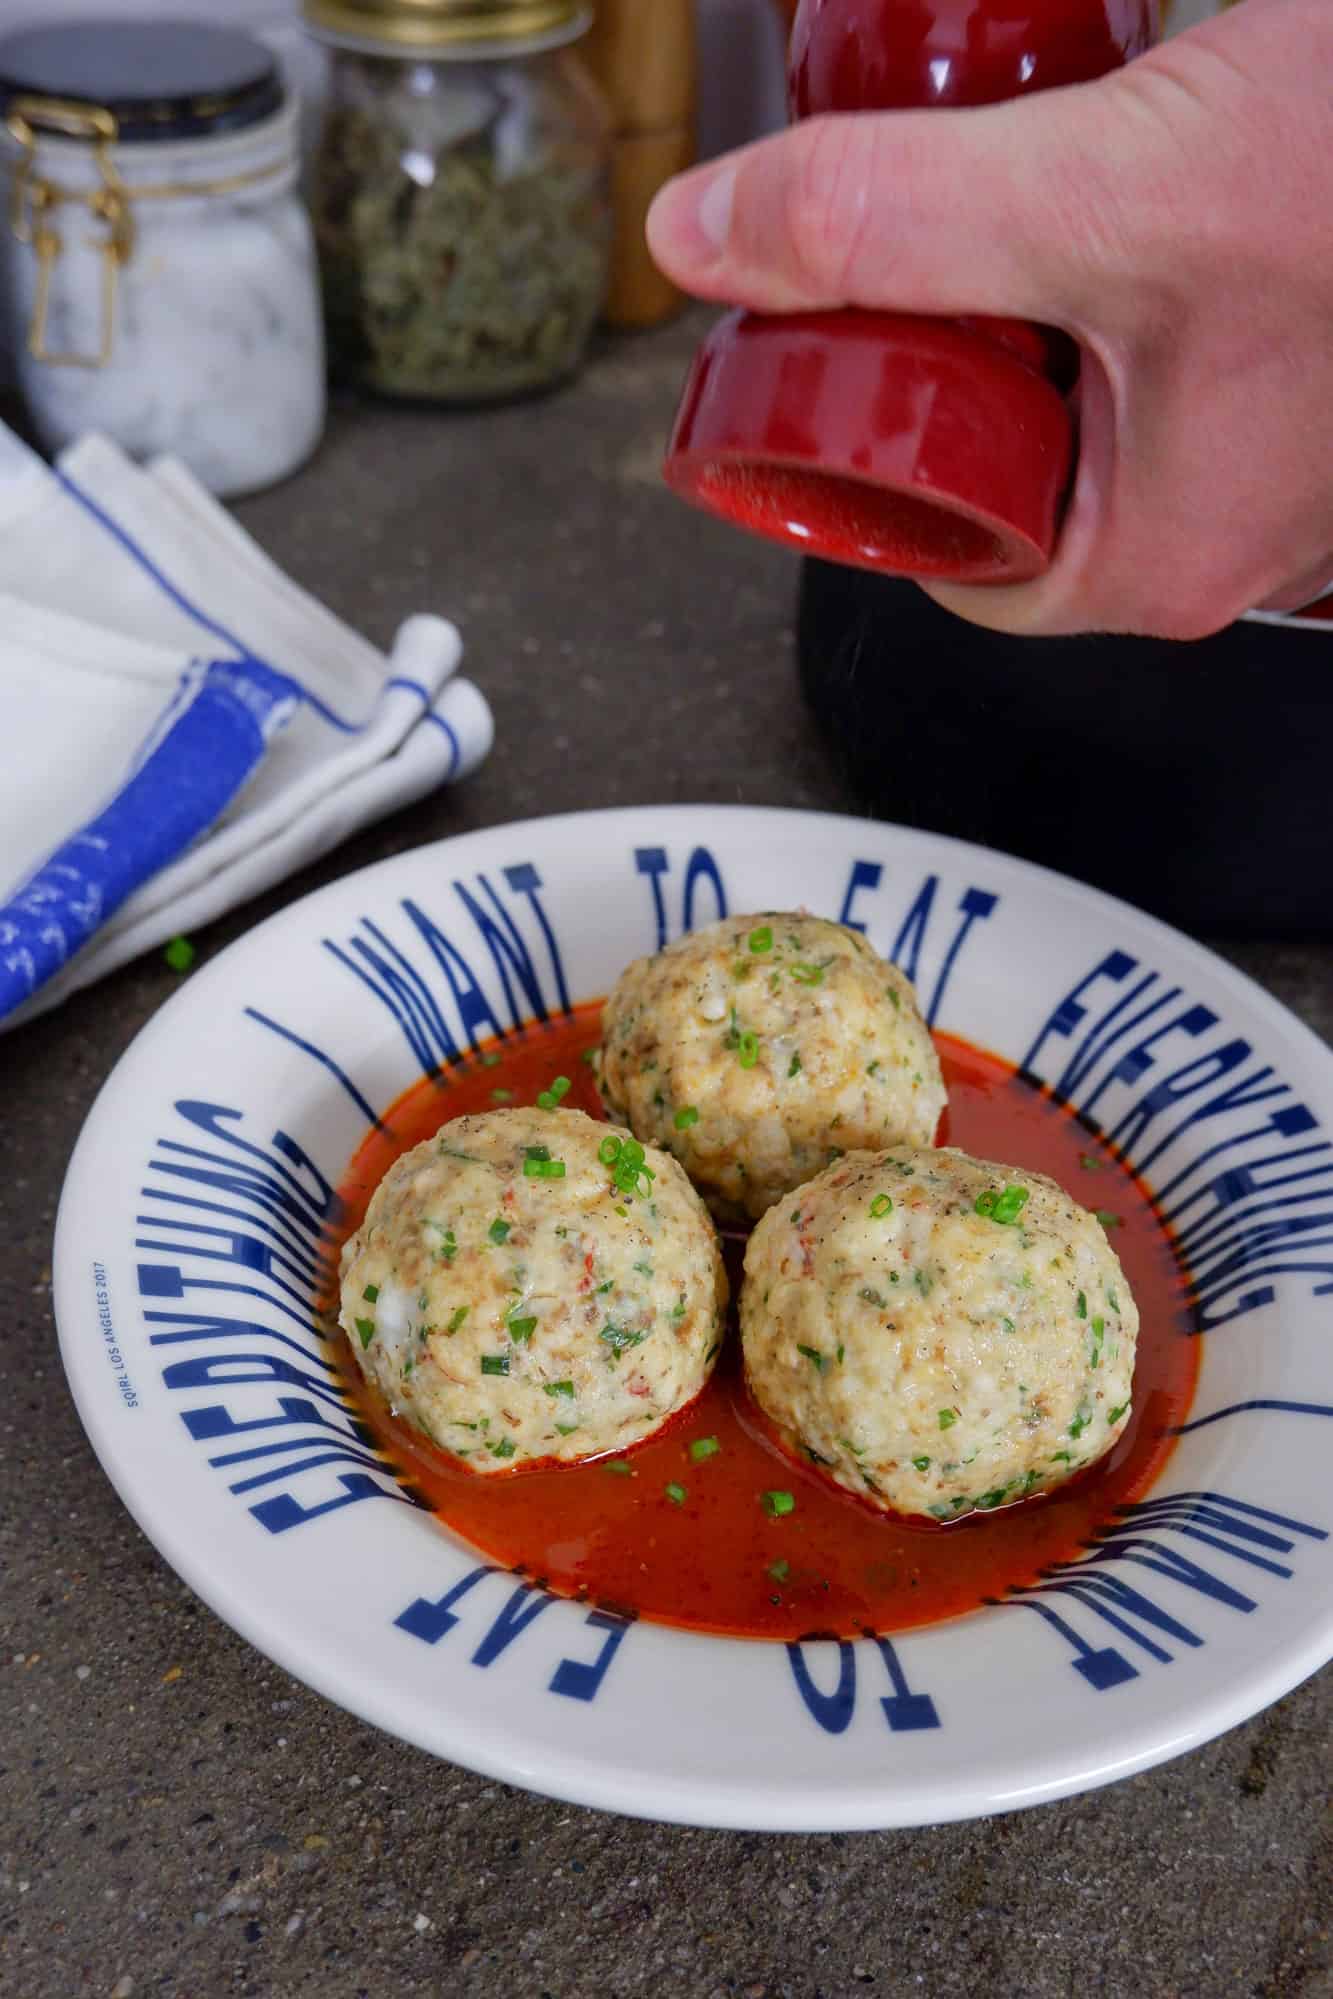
[{"x": 182, "y": 726}]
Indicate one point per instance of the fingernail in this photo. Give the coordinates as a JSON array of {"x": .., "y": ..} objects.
[
  {"x": 714, "y": 211},
  {"x": 689, "y": 221}
]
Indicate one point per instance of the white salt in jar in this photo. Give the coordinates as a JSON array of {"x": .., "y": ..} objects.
[{"x": 161, "y": 276}]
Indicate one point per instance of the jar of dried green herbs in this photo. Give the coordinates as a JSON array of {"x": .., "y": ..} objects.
[{"x": 461, "y": 195}]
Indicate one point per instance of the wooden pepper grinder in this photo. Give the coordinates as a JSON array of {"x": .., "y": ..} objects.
[
  {"x": 644, "y": 55},
  {"x": 909, "y": 445}
]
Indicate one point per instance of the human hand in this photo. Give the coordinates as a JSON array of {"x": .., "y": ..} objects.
[{"x": 1176, "y": 218}]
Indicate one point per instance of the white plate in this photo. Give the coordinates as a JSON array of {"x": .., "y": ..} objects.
[{"x": 182, "y": 1275}]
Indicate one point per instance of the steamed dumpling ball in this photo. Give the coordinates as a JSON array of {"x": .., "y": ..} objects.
[
  {"x": 762, "y": 1047},
  {"x": 940, "y": 1333},
  {"x": 519, "y": 1291}
]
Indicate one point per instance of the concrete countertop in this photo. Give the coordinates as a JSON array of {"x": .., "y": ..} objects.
[{"x": 177, "y": 1816}]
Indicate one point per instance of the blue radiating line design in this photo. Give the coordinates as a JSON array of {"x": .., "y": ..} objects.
[
  {"x": 1239, "y": 1409},
  {"x": 319, "y": 1055}
]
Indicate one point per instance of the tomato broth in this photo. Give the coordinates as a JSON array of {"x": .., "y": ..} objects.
[{"x": 685, "y": 1539}]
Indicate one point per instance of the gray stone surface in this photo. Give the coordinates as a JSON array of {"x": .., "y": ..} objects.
[{"x": 178, "y": 1817}]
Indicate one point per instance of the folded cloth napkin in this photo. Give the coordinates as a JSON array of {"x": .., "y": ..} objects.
[{"x": 182, "y": 725}]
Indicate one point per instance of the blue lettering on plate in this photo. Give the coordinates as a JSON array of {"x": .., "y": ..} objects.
[
  {"x": 925, "y": 931},
  {"x": 256, "y": 1219},
  {"x": 1147, "y": 1068},
  {"x": 431, "y": 1620},
  {"x": 440, "y": 996},
  {"x": 1107, "y": 1583},
  {"x": 833, "y": 1711}
]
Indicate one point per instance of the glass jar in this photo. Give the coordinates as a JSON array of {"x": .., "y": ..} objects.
[
  {"x": 461, "y": 195},
  {"x": 162, "y": 283}
]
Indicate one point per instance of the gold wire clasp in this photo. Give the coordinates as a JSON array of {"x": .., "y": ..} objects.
[{"x": 35, "y": 202}]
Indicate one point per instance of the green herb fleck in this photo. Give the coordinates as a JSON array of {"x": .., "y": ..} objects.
[
  {"x": 180, "y": 954},
  {"x": 881, "y": 1206},
  {"x": 1116, "y": 1414},
  {"x": 1109, "y": 1220},
  {"x": 675, "y": 1493},
  {"x": 818, "y": 1360},
  {"x": 686, "y": 1116},
  {"x": 794, "y": 1067},
  {"x": 761, "y": 940},
  {"x": 366, "y": 1328},
  {"x": 490, "y": 1060},
  {"x": 504, "y": 1449},
  {"x": 499, "y": 1230},
  {"x": 807, "y": 975},
  {"x": 921, "y": 1464},
  {"x": 948, "y": 1417},
  {"x": 1080, "y": 1422},
  {"x": 371, "y": 1293},
  {"x": 620, "y": 1339},
  {"x": 495, "y": 1363},
  {"x": 564, "y": 1388},
  {"x": 502, "y": 1096},
  {"x": 779, "y": 1571},
  {"x": 458, "y": 1318},
  {"x": 520, "y": 1330},
  {"x": 704, "y": 1447},
  {"x": 747, "y": 1049},
  {"x": 1081, "y": 1305},
  {"x": 778, "y": 1504}
]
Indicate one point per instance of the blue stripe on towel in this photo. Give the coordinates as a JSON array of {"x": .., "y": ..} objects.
[
  {"x": 192, "y": 610},
  {"x": 185, "y": 778}
]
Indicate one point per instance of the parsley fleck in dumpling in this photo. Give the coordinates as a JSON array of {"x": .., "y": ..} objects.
[
  {"x": 937, "y": 1332},
  {"x": 760, "y": 1048},
  {"x": 531, "y": 1284}
]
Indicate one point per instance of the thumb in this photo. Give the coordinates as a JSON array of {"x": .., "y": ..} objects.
[{"x": 1011, "y": 209}]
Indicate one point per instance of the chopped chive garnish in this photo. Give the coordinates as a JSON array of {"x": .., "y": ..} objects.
[
  {"x": 609, "y": 1151},
  {"x": 1116, "y": 1414},
  {"x": 545, "y": 1101},
  {"x": 504, "y": 1449},
  {"x": 499, "y": 1230},
  {"x": 180, "y": 954},
  {"x": 1001, "y": 1205},
  {"x": 777, "y": 1504},
  {"x": 564, "y": 1388},
  {"x": 495, "y": 1363},
  {"x": 371, "y": 1293},
  {"x": 457, "y": 1320},
  {"x": 921, "y": 1464},
  {"x": 761, "y": 940},
  {"x": 872, "y": 1068},
  {"x": 1080, "y": 1423},
  {"x": 779, "y": 1571},
  {"x": 1109, "y": 1220},
  {"x": 366, "y": 1328},
  {"x": 490, "y": 1060},
  {"x": 794, "y": 1067},
  {"x": 619, "y": 1338},
  {"x": 881, "y": 1205},
  {"x": 619, "y": 1469},
  {"x": 543, "y": 1169},
  {"x": 948, "y": 1417},
  {"x": 1081, "y": 1306},
  {"x": 1090, "y": 1163},
  {"x": 566, "y": 1429},
  {"x": 704, "y": 1447},
  {"x": 678, "y": 1310},
  {"x": 1098, "y": 1332},
  {"x": 676, "y": 1494},
  {"x": 502, "y": 1096},
  {"x": 873, "y": 1297},
  {"x": 550, "y": 1100},
  {"x": 1112, "y": 1300},
  {"x": 686, "y": 1116},
  {"x": 747, "y": 1049},
  {"x": 818, "y": 1360},
  {"x": 520, "y": 1330},
  {"x": 807, "y": 975},
  {"x": 537, "y": 1152}
]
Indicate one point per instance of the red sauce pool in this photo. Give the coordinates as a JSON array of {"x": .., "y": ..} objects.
[{"x": 608, "y": 1532}]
